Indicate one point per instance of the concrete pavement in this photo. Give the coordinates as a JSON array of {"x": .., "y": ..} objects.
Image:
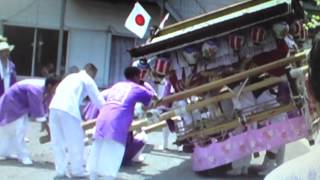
[{"x": 158, "y": 164}]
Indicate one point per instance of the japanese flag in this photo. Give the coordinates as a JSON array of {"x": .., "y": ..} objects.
[{"x": 138, "y": 20}]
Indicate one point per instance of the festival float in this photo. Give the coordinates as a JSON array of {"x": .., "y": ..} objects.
[
  {"x": 240, "y": 80},
  {"x": 240, "y": 76}
]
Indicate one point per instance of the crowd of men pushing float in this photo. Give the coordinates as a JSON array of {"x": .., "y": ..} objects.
[
  {"x": 113, "y": 108},
  {"x": 62, "y": 97}
]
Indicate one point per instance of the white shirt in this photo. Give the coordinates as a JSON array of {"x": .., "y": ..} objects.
[
  {"x": 5, "y": 75},
  {"x": 72, "y": 90}
]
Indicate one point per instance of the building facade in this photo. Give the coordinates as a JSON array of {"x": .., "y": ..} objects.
[{"x": 93, "y": 32}]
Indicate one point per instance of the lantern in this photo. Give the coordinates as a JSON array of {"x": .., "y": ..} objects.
[
  {"x": 299, "y": 31},
  {"x": 257, "y": 35},
  {"x": 236, "y": 42},
  {"x": 162, "y": 66}
]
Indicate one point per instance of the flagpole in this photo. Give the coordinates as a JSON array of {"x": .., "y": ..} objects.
[
  {"x": 60, "y": 38},
  {"x": 162, "y": 9}
]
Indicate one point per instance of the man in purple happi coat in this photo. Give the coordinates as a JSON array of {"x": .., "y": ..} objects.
[
  {"x": 7, "y": 68},
  {"x": 135, "y": 143},
  {"x": 27, "y": 98},
  {"x": 113, "y": 124}
]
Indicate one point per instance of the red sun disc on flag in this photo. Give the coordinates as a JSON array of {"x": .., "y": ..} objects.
[{"x": 140, "y": 20}]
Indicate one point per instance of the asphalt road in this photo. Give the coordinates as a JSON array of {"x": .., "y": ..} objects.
[{"x": 158, "y": 164}]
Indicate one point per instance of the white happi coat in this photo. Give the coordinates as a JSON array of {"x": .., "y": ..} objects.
[
  {"x": 71, "y": 92},
  {"x": 65, "y": 120}
]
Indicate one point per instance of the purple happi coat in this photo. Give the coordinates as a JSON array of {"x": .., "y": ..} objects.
[
  {"x": 115, "y": 117},
  {"x": 21, "y": 99},
  {"x": 12, "y": 71},
  {"x": 133, "y": 145}
]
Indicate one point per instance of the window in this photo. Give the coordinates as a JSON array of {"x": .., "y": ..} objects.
[{"x": 30, "y": 59}]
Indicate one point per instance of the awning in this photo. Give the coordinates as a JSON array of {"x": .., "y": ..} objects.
[{"x": 218, "y": 23}]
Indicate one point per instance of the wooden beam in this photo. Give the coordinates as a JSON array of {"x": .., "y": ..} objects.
[
  {"x": 235, "y": 123},
  {"x": 212, "y": 15},
  {"x": 90, "y": 124},
  {"x": 154, "y": 127},
  {"x": 207, "y": 87},
  {"x": 158, "y": 125},
  {"x": 233, "y": 78},
  {"x": 137, "y": 124},
  {"x": 262, "y": 84}
]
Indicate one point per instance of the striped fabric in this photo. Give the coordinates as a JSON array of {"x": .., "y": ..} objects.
[
  {"x": 162, "y": 66},
  {"x": 299, "y": 31},
  {"x": 236, "y": 42},
  {"x": 258, "y": 35},
  {"x": 143, "y": 73}
]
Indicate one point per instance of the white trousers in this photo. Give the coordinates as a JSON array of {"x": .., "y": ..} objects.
[
  {"x": 165, "y": 133},
  {"x": 67, "y": 136},
  {"x": 244, "y": 162},
  {"x": 12, "y": 138},
  {"x": 105, "y": 158}
]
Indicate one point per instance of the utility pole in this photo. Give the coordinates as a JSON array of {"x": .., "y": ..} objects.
[
  {"x": 1, "y": 27},
  {"x": 34, "y": 50},
  {"x": 61, "y": 33}
]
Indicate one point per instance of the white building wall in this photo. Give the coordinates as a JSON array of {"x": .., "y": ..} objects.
[
  {"x": 88, "y": 22},
  {"x": 31, "y": 13},
  {"x": 89, "y": 47},
  {"x": 80, "y": 14}
]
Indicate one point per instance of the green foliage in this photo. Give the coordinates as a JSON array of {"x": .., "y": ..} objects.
[
  {"x": 314, "y": 22},
  {"x": 314, "y": 19}
]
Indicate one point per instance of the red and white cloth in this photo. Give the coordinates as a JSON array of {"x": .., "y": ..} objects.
[
  {"x": 299, "y": 31},
  {"x": 281, "y": 51},
  {"x": 138, "y": 20},
  {"x": 177, "y": 83},
  {"x": 236, "y": 42},
  {"x": 258, "y": 34},
  {"x": 162, "y": 66}
]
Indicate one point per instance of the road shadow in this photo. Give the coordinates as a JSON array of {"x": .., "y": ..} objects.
[
  {"x": 182, "y": 170},
  {"x": 36, "y": 164}
]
